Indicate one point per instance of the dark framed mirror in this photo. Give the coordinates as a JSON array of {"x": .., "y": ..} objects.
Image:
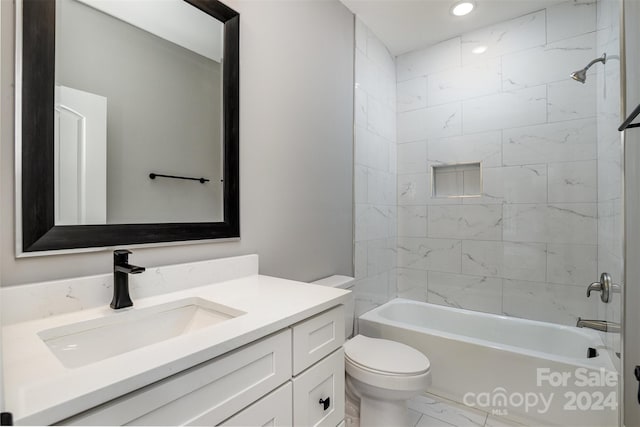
[{"x": 115, "y": 198}]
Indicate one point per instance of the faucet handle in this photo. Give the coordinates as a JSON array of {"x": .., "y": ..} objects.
[
  {"x": 604, "y": 286},
  {"x": 121, "y": 256}
]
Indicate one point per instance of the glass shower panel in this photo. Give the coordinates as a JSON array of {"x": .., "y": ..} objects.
[{"x": 610, "y": 172}]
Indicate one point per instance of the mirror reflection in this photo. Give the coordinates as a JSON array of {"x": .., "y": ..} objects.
[{"x": 137, "y": 94}]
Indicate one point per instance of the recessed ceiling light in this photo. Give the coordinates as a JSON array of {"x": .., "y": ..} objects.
[
  {"x": 461, "y": 8},
  {"x": 479, "y": 49}
]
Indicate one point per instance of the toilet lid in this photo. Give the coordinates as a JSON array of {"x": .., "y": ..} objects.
[{"x": 385, "y": 356}]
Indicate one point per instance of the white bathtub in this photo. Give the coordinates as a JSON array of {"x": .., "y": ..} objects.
[{"x": 529, "y": 371}]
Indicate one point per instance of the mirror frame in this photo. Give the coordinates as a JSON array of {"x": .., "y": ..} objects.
[{"x": 35, "y": 80}]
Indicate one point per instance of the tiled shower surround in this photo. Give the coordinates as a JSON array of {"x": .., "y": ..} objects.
[
  {"x": 528, "y": 247},
  {"x": 533, "y": 240}
]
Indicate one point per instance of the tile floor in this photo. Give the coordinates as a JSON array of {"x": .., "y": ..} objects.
[{"x": 428, "y": 410}]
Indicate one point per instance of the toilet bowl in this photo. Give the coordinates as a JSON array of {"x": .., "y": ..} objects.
[
  {"x": 384, "y": 375},
  {"x": 381, "y": 375}
]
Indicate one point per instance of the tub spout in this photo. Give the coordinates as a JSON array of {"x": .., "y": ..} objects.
[{"x": 598, "y": 325}]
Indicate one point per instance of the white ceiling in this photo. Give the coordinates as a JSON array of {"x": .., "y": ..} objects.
[
  {"x": 202, "y": 34},
  {"x": 406, "y": 25}
]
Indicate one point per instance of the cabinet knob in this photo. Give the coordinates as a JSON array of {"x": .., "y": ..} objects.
[{"x": 325, "y": 403}]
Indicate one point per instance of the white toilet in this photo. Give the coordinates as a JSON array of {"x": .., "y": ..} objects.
[{"x": 381, "y": 375}]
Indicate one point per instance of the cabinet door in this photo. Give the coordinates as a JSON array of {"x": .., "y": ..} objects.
[
  {"x": 246, "y": 377},
  {"x": 318, "y": 393},
  {"x": 275, "y": 409},
  {"x": 206, "y": 394},
  {"x": 315, "y": 338}
]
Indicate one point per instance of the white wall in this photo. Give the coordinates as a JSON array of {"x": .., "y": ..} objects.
[
  {"x": 528, "y": 246},
  {"x": 296, "y": 150},
  {"x": 375, "y": 171}
]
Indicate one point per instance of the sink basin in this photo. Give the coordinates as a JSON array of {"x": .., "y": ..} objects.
[{"x": 82, "y": 343}]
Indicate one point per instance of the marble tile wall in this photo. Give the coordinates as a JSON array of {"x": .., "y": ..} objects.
[
  {"x": 375, "y": 171},
  {"x": 548, "y": 218}
]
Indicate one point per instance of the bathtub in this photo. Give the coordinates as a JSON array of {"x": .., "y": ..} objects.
[{"x": 532, "y": 372}]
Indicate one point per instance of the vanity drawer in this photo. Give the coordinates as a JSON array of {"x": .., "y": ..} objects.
[
  {"x": 275, "y": 409},
  {"x": 206, "y": 394},
  {"x": 325, "y": 380},
  {"x": 314, "y": 338}
]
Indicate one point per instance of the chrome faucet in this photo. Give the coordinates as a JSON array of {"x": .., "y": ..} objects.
[
  {"x": 121, "y": 271},
  {"x": 598, "y": 325}
]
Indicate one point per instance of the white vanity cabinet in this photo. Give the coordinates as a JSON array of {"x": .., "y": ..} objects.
[
  {"x": 318, "y": 369},
  {"x": 205, "y": 394},
  {"x": 292, "y": 377}
]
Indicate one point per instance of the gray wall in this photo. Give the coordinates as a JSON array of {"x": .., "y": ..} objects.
[
  {"x": 631, "y": 355},
  {"x": 296, "y": 148},
  {"x": 163, "y": 115},
  {"x": 2, "y": 95}
]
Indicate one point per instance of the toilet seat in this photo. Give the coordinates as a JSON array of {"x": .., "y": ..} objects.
[
  {"x": 386, "y": 364},
  {"x": 385, "y": 357},
  {"x": 376, "y": 371}
]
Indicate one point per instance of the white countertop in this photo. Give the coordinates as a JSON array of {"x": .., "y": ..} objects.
[{"x": 40, "y": 390}]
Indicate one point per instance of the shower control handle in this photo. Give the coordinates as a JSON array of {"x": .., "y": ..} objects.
[{"x": 605, "y": 286}]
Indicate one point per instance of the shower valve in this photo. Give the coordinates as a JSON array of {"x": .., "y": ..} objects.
[{"x": 605, "y": 286}]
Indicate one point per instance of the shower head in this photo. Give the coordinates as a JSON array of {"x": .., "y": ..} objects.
[{"x": 581, "y": 75}]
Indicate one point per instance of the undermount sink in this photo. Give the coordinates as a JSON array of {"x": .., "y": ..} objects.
[{"x": 82, "y": 343}]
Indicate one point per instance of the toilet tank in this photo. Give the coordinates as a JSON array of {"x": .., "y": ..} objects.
[{"x": 342, "y": 282}]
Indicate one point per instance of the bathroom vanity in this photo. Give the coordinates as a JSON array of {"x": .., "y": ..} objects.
[{"x": 244, "y": 349}]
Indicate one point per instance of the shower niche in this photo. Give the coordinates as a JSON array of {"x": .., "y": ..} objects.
[{"x": 456, "y": 180}]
